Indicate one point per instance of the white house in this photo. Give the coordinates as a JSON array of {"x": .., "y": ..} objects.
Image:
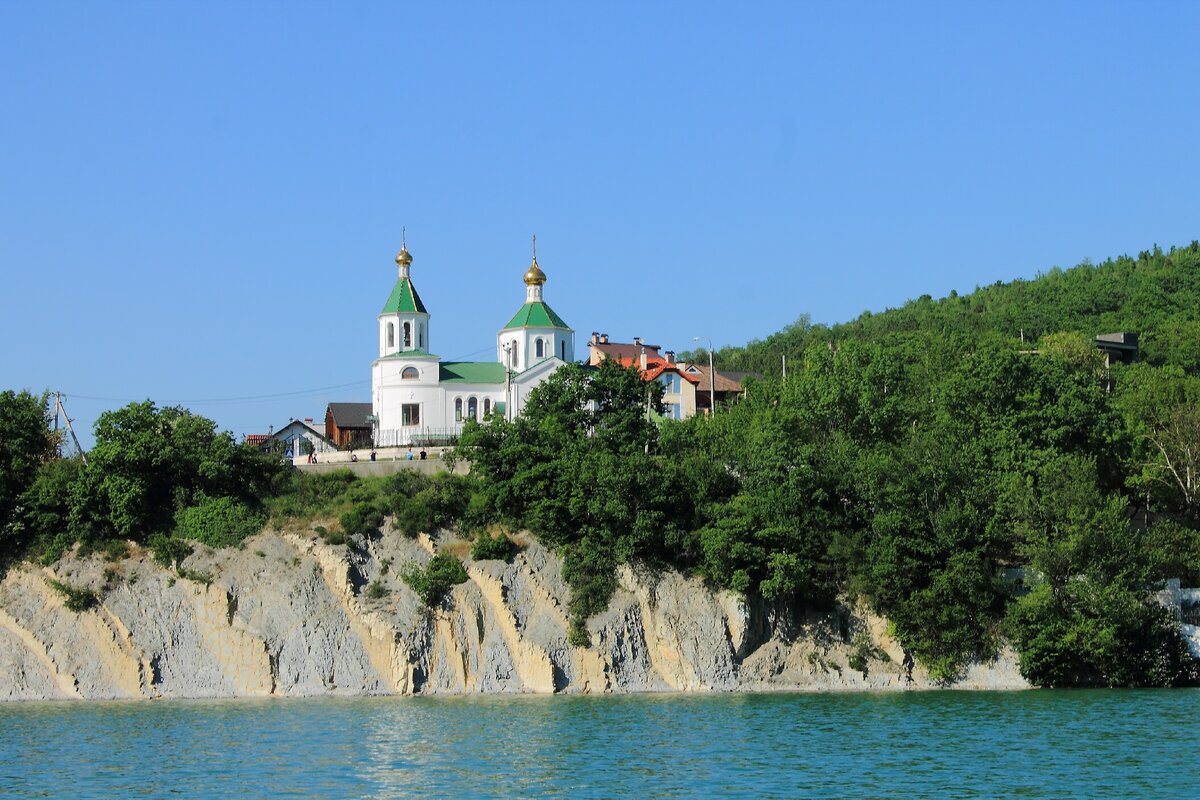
[{"x": 419, "y": 399}]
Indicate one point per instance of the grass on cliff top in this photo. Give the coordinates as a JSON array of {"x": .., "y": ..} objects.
[{"x": 417, "y": 503}]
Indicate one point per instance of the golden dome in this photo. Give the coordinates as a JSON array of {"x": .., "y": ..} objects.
[
  {"x": 404, "y": 258},
  {"x": 534, "y": 275}
]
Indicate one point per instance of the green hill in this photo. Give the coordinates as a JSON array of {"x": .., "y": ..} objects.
[{"x": 1156, "y": 294}]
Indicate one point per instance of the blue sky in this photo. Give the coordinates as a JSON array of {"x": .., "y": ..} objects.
[{"x": 202, "y": 202}]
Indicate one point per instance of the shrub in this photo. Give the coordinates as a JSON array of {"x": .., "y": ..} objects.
[
  {"x": 488, "y": 547},
  {"x": 862, "y": 651},
  {"x": 432, "y": 582},
  {"x": 218, "y": 522},
  {"x": 169, "y": 551},
  {"x": 196, "y": 575},
  {"x": 77, "y": 599},
  {"x": 377, "y": 591},
  {"x": 362, "y": 520},
  {"x": 312, "y": 494},
  {"x": 116, "y": 550},
  {"x": 412, "y": 516}
]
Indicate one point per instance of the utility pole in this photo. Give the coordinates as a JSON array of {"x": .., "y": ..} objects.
[
  {"x": 712, "y": 377},
  {"x": 58, "y": 406}
]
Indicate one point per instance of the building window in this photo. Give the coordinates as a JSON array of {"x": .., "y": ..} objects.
[
  {"x": 472, "y": 409},
  {"x": 410, "y": 414},
  {"x": 421, "y": 338},
  {"x": 487, "y": 406},
  {"x": 407, "y": 335},
  {"x": 409, "y": 374},
  {"x": 512, "y": 356},
  {"x": 539, "y": 349},
  {"x": 563, "y": 350},
  {"x": 458, "y": 409},
  {"x": 391, "y": 335}
]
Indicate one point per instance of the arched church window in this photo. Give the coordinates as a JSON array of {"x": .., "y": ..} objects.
[
  {"x": 421, "y": 337},
  {"x": 409, "y": 374},
  {"x": 487, "y": 406},
  {"x": 563, "y": 349},
  {"x": 513, "y": 355},
  {"x": 539, "y": 348},
  {"x": 458, "y": 409},
  {"x": 391, "y": 334},
  {"x": 407, "y": 335},
  {"x": 472, "y": 409}
]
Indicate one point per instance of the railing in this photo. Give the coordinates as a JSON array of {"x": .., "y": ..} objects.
[{"x": 417, "y": 437}]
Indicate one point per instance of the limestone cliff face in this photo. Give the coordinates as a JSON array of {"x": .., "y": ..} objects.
[{"x": 289, "y": 615}]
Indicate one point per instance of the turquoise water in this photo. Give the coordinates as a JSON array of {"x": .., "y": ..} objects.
[{"x": 919, "y": 744}]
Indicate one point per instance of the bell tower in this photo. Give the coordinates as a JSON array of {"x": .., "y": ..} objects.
[
  {"x": 536, "y": 333},
  {"x": 404, "y": 322}
]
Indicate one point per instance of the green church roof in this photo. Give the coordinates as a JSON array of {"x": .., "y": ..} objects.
[
  {"x": 472, "y": 372},
  {"x": 536, "y": 315},
  {"x": 404, "y": 299}
]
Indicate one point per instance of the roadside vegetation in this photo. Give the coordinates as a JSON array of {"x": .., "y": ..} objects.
[{"x": 968, "y": 467}]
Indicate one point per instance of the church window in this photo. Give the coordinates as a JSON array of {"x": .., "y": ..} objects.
[
  {"x": 539, "y": 349},
  {"x": 513, "y": 356},
  {"x": 487, "y": 406},
  {"x": 458, "y": 409},
  {"x": 421, "y": 337},
  {"x": 472, "y": 408},
  {"x": 563, "y": 349},
  {"x": 410, "y": 414},
  {"x": 409, "y": 374},
  {"x": 407, "y": 335},
  {"x": 391, "y": 335}
]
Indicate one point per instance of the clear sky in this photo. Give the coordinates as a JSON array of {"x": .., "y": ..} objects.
[{"x": 201, "y": 202}]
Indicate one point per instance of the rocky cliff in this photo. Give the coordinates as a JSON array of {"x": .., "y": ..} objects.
[{"x": 290, "y": 615}]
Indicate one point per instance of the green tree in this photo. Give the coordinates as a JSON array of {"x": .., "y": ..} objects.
[
  {"x": 149, "y": 463},
  {"x": 26, "y": 444}
]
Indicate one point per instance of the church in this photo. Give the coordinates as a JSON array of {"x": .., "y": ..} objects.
[{"x": 417, "y": 399}]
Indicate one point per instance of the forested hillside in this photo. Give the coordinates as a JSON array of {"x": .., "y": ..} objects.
[
  {"x": 1156, "y": 295},
  {"x": 919, "y": 460}
]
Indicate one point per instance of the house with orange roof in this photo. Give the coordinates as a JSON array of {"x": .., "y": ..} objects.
[{"x": 679, "y": 386}]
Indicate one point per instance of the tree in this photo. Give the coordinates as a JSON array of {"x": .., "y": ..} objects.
[
  {"x": 150, "y": 463},
  {"x": 576, "y": 469},
  {"x": 26, "y": 443}
]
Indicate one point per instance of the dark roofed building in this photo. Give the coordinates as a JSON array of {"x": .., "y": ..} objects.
[
  {"x": 1118, "y": 347},
  {"x": 349, "y": 424}
]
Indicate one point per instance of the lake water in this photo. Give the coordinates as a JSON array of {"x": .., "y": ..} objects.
[{"x": 918, "y": 744}]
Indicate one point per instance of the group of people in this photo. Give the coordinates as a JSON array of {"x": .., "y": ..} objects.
[{"x": 312, "y": 456}]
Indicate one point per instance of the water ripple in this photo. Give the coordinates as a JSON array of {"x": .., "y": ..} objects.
[{"x": 1040, "y": 744}]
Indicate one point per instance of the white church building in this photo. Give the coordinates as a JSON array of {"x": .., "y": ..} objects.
[{"x": 418, "y": 399}]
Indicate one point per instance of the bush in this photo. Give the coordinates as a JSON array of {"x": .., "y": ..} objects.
[
  {"x": 196, "y": 575},
  {"x": 862, "y": 651},
  {"x": 218, "y": 522},
  {"x": 432, "y": 582},
  {"x": 362, "y": 520},
  {"x": 169, "y": 551},
  {"x": 77, "y": 599},
  {"x": 413, "y": 516},
  {"x": 312, "y": 494},
  {"x": 1091, "y": 634},
  {"x": 377, "y": 591},
  {"x": 488, "y": 547}
]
